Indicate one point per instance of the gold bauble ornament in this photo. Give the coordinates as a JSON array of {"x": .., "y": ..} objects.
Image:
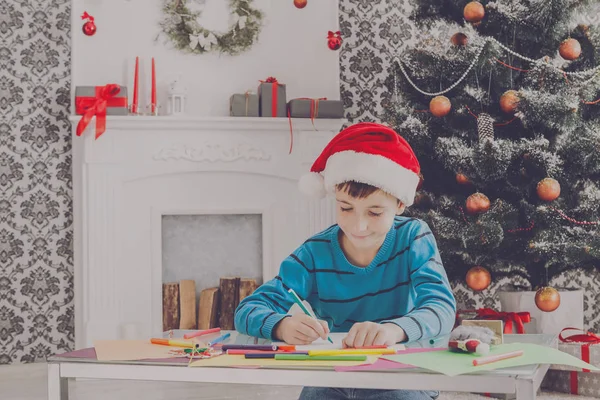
[
  {"x": 547, "y": 299},
  {"x": 509, "y": 101},
  {"x": 440, "y": 106},
  {"x": 477, "y": 203},
  {"x": 478, "y": 278},
  {"x": 548, "y": 189},
  {"x": 474, "y": 12},
  {"x": 570, "y": 49}
]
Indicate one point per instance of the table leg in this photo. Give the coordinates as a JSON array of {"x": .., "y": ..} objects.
[
  {"x": 58, "y": 387},
  {"x": 526, "y": 389}
]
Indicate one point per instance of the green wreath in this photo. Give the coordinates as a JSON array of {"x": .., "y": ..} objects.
[{"x": 182, "y": 28}]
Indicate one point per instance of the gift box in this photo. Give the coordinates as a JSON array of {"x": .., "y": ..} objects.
[
  {"x": 88, "y": 96},
  {"x": 581, "y": 383},
  {"x": 99, "y": 101},
  {"x": 315, "y": 108},
  {"x": 568, "y": 314},
  {"x": 271, "y": 98},
  {"x": 513, "y": 322},
  {"x": 244, "y": 105},
  {"x": 579, "y": 344}
]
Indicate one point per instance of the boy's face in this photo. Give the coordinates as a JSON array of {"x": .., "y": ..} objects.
[{"x": 366, "y": 222}]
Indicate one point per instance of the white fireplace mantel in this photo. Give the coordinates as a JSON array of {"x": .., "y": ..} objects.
[{"x": 142, "y": 168}]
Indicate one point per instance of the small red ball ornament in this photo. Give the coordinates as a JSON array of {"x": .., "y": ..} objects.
[
  {"x": 548, "y": 189},
  {"x": 89, "y": 28},
  {"x": 334, "y": 40},
  {"x": 509, "y": 101},
  {"x": 440, "y": 106},
  {"x": 570, "y": 49},
  {"x": 300, "y": 3}
]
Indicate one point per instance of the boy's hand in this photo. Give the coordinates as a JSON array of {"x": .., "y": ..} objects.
[
  {"x": 370, "y": 334},
  {"x": 301, "y": 329}
]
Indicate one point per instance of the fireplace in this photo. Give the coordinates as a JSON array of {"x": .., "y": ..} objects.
[{"x": 144, "y": 173}]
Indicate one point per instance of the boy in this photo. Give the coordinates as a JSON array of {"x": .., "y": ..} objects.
[{"x": 374, "y": 274}]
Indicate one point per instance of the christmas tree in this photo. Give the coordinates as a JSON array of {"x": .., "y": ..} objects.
[{"x": 501, "y": 103}]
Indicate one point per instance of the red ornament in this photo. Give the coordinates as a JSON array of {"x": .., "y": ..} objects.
[
  {"x": 459, "y": 39},
  {"x": 440, "y": 106},
  {"x": 570, "y": 49},
  {"x": 547, "y": 299},
  {"x": 478, "y": 278},
  {"x": 477, "y": 203},
  {"x": 300, "y": 3},
  {"x": 474, "y": 12},
  {"x": 548, "y": 189},
  {"x": 89, "y": 28},
  {"x": 462, "y": 179},
  {"x": 334, "y": 40}
]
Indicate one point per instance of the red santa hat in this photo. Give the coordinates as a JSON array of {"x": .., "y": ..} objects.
[{"x": 367, "y": 153}]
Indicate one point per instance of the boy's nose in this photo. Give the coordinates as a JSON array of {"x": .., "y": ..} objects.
[{"x": 362, "y": 225}]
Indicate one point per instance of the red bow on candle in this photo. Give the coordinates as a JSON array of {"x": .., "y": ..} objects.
[
  {"x": 90, "y": 106},
  {"x": 587, "y": 339},
  {"x": 509, "y": 318}
]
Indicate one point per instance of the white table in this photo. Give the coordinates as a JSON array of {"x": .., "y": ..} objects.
[{"x": 524, "y": 381}]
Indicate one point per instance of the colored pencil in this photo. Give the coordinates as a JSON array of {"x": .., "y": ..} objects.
[
  {"x": 335, "y": 352},
  {"x": 264, "y": 354},
  {"x": 242, "y": 352},
  {"x": 172, "y": 342},
  {"x": 496, "y": 357},
  {"x": 201, "y": 333},
  {"x": 263, "y": 347},
  {"x": 219, "y": 339},
  {"x": 299, "y": 302},
  {"x": 302, "y": 357}
]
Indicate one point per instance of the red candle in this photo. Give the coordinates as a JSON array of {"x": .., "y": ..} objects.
[
  {"x": 134, "y": 105},
  {"x": 153, "y": 100}
]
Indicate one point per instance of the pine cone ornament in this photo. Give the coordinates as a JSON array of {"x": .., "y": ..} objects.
[{"x": 485, "y": 127}]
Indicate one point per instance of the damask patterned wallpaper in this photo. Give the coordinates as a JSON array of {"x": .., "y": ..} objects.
[
  {"x": 36, "y": 259},
  {"x": 374, "y": 31}
]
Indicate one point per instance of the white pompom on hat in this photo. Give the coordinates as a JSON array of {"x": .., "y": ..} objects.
[{"x": 368, "y": 153}]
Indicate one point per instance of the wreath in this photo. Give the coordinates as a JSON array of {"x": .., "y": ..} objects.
[{"x": 181, "y": 26}]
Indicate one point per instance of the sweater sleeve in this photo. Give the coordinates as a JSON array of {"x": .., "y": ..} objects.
[
  {"x": 435, "y": 307},
  {"x": 257, "y": 314}
]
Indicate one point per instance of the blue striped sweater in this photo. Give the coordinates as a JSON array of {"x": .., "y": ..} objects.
[{"x": 405, "y": 284}]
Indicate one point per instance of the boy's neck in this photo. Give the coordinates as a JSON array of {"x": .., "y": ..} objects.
[{"x": 359, "y": 258}]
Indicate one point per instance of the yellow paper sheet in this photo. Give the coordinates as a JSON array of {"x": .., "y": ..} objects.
[
  {"x": 125, "y": 350},
  {"x": 239, "y": 360}
]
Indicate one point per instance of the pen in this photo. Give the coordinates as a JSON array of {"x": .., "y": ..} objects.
[
  {"x": 335, "y": 352},
  {"x": 299, "y": 302},
  {"x": 265, "y": 354},
  {"x": 302, "y": 357},
  {"x": 263, "y": 347},
  {"x": 496, "y": 357},
  {"x": 219, "y": 339}
]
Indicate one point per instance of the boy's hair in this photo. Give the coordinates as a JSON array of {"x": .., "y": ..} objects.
[{"x": 356, "y": 189}]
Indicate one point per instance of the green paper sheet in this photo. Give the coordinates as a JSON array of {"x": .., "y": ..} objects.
[{"x": 452, "y": 364}]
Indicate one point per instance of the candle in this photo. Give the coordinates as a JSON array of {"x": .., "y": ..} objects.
[
  {"x": 153, "y": 100},
  {"x": 134, "y": 105}
]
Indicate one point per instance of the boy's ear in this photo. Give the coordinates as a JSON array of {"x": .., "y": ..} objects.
[{"x": 401, "y": 208}]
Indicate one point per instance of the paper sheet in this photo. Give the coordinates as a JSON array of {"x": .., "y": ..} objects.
[
  {"x": 125, "y": 350},
  {"x": 452, "y": 364},
  {"x": 239, "y": 360},
  {"x": 383, "y": 364}
]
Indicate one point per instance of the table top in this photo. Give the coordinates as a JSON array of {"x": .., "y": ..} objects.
[{"x": 89, "y": 355}]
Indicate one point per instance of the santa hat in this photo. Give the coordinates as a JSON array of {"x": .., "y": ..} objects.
[{"x": 367, "y": 153}]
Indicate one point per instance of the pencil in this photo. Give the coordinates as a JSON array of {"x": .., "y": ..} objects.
[
  {"x": 496, "y": 357},
  {"x": 201, "y": 333},
  {"x": 299, "y": 302},
  {"x": 302, "y": 357},
  {"x": 265, "y": 347},
  {"x": 335, "y": 352},
  {"x": 219, "y": 339}
]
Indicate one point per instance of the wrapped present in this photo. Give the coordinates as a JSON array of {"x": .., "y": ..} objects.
[
  {"x": 582, "y": 345},
  {"x": 568, "y": 314},
  {"x": 581, "y": 383},
  {"x": 99, "y": 101},
  {"x": 513, "y": 321},
  {"x": 271, "y": 98},
  {"x": 315, "y": 108},
  {"x": 243, "y": 105}
]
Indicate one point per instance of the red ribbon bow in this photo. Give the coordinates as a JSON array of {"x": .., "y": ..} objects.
[
  {"x": 87, "y": 16},
  {"x": 90, "y": 106},
  {"x": 509, "y": 318},
  {"x": 331, "y": 34},
  {"x": 587, "y": 339}
]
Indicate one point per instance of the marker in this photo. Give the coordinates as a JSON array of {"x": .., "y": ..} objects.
[
  {"x": 171, "y": 342},
  {"x": 219, "y": 339},
  {"x": 243, "y": 352},
  {"x": 334, "y": 352},
  {"x": 303, "y": 357},
  {"x": 264, "y": 354},
  {"x": 201, "y": 333},
  {"x": 299, "y": 302},
  {"x": 496, "y": 357},
  {"x": 262, "y": 347}
]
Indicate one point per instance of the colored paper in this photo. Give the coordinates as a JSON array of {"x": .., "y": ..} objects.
[
  {"x": 240, "y": 361},
  {"x": 383, "y": 364},
  {"x": 124, "y": 350},
  {"x": 452, "y": 364}
]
